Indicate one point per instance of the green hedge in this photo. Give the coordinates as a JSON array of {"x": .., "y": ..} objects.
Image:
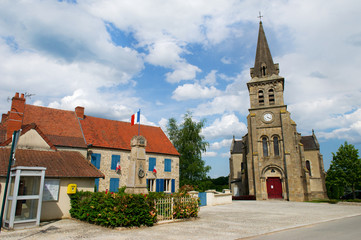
[
  {"x": 113, "y": 209},
  {"x": 125, "y": 210}
]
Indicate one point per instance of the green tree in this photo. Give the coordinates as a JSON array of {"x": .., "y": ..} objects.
[
  {"x": 344, "y": 172},
  {"x": 189, "y": 142}
]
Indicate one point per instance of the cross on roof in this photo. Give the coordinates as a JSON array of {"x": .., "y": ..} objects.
[{"x": 260, "y": 16}]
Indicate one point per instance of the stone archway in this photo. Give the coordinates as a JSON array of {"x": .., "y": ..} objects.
[{"x": 273, "y": 182}]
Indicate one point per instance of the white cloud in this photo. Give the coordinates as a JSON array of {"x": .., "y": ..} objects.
[
  {"x": 194, "y": 91},
  {"x": 210, "y": 79},
  {"x": 226, "y": 60},
  {"x": 218, "y": 145},
  {"x": 209, "y": 154},
  {"x": 183, "y": 71},
  {"x": 225, "y": 127}
]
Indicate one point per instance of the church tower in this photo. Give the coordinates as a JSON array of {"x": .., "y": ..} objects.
[{"x": 274, "y": 158}]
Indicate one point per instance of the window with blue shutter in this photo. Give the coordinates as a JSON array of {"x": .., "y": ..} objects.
[
  {"x": 95, "y": 159},
  {"x": 157, "y": 185},
  {"x": 167, "y": 165},
  {"x": 115, "y": 161},
  {"x": 173, "y": 185},
  {"x": 114, "y": 185},
  {"x": 152, "y": 164}
]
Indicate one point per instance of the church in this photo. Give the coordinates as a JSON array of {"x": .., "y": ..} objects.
[{"x": 273, "y": 160}]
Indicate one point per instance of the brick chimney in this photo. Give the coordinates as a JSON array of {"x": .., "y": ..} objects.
[
  {"x": 79, "y": 111},
  {"x": 16, "y": 114}
]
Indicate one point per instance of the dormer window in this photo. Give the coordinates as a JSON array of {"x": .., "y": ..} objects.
[
  {"x": 271, "y": 96},
  {"x": 260, "y": 97}
]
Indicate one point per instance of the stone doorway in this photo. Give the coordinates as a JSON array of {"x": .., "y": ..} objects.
[{"x": 274, "y": 188}]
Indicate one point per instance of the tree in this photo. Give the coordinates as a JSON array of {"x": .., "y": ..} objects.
[
  {"x": 344, "y": 172},
  {"x": 190, "y": 144}
]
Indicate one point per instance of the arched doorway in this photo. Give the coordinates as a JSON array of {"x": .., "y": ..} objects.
[{"x": 274, "y": 188}]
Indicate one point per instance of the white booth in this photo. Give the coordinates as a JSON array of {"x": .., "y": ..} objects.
[{"x": 25, "y": 193}]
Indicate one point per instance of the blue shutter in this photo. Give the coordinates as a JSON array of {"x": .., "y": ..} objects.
[
  {"x": 161, "y": 185},
  {"x": 152, "y": 163},
  {"x": 97, "y": 184},
  {"x": 157, "y": 185},
  {"x": 167, "y": 165},
  {"x": 173, "y": 185},
  {"x": 95, "y": 160},
  {"x": 115, "y": 160},
  {"x": 114, "y": 185}
]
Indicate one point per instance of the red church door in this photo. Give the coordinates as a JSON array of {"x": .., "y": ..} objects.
[{"x": 274, "y": 187}]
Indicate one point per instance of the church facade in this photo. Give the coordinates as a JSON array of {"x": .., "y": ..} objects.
[{"x": 273, "y": 160}]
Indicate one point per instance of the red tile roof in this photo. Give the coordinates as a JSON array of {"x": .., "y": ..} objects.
[
  {"x": 106, "y": 133},
  {"x": 60, "y": 126},
  {"x": 63, "y": 128},
  {"x": 57, "y": 163}
]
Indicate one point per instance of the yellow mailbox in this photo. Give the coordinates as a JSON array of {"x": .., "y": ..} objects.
[{"x": 71, "y": 189}]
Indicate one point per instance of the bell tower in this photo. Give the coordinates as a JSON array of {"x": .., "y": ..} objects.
[{"x": 273, "y": 149}]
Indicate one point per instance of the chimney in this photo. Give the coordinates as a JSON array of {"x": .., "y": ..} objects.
[
  {"x": 4, "y": 117},
  {"x": 16, "y": 114},
  {"x": 79, "y": 111}
]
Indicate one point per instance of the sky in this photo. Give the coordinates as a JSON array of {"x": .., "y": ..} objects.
[{"x": 167, "y": 57}]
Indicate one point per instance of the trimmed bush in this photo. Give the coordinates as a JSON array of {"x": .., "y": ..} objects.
[{"x": 113, "y": 209}]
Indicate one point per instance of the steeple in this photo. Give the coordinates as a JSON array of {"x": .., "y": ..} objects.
[{"x": 263, "y": 65}]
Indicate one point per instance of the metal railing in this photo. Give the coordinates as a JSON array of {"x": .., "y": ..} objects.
[{"x": 166, "y": 206}]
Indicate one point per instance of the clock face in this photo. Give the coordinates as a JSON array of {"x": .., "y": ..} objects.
[{"x": 268, "y": 117}]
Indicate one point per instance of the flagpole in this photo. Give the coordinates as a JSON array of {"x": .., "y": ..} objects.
[{"x": 139, "y": 124}]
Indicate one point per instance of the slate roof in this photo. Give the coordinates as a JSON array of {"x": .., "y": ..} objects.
[
  {"x": 309, "y": 143},
  {"x": 237, "y": 147},
  {"x": 57, "y": 163}
]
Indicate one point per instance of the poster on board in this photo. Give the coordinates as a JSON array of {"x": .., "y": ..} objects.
[{"x": 51, "y": 190}]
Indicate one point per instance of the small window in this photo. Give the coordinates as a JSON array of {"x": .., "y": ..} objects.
[
  {"x": 260, "y": 97},
  {"x": 308, "y": 166},
  {"x": 271, "y": 96},
  {"x": 151, "y": 185},
  {"x": 115, "y": 162},
  {"x": 265, "y": 147},
  {"x": 152, "y": 164},
  {"x": 276, "y": 146},
  {"x": 167, "y": 165}
]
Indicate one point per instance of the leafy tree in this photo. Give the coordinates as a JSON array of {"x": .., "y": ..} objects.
[
  {"x": 190, "y": 144},
  {"x": 344, "y": 172}
]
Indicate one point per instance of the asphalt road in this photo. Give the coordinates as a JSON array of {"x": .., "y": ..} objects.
[
  {"x": 238, "y": 220},
  {"x": 346, "y": 228}
]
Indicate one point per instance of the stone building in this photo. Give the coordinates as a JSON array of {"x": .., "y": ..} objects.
[
  {"x": 273, "y": 160},
  {"x": 104, "y": 143}
]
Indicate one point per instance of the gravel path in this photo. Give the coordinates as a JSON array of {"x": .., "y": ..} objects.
[{"x": 237, "y": 220}]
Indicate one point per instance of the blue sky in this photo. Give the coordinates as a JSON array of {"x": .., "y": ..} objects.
[{"x": 168, "y": 57}]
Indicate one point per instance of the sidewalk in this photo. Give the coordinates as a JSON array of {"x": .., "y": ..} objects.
[{"x": 238, "y": 220}]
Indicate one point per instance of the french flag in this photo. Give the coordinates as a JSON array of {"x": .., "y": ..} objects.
[
  {"x": 154, "y": 170},
  {"x": 135, "y": 118}
]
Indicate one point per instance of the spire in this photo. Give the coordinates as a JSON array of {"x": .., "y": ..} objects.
[{"x": 263, "y": 65}]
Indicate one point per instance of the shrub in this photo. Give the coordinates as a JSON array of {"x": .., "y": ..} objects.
[{"x": 113, "y": 209}]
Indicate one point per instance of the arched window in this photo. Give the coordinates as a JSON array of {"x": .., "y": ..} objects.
[
  {"x": 308, "y": 166},
  {"x": 271, "y": 96},
  {"x": 260, "y": 97},
  {"x": 276, "y": 147},
  {"x": 265, "y": 147}
]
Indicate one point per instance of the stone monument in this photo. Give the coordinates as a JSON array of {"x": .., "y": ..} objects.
[{"x": 137, "y": 182}]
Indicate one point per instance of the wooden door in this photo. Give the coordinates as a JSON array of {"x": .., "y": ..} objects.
[{"x": 274, "y": 187}]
